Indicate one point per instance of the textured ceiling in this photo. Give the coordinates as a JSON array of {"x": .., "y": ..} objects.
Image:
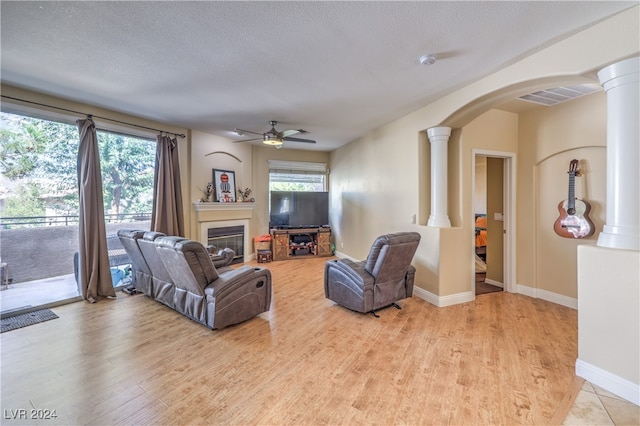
[{"x": 336, "y": 69}]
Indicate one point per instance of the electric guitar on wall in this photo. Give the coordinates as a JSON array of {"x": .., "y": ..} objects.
[{"x": 574, "y": 221}]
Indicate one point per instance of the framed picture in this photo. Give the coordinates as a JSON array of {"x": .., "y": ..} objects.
[{"x": 224, "y": 186}]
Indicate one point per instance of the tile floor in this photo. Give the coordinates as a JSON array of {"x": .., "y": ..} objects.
[{"x": 596, "y": 406}]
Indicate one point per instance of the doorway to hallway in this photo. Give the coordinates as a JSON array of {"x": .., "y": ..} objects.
[{"x": 492, "y": 228}]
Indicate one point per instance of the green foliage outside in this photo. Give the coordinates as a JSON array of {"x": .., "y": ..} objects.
[
  {"x": 38, "y": 169},
  {"x": 290, "y": 186},
  {"x": 127, "y": 173},
  {"x": 296, "y": 182},
  {"x": 26, "y": 202}
]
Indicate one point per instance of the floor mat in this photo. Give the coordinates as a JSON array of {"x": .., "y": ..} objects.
[{"x": 27, "y": 319}]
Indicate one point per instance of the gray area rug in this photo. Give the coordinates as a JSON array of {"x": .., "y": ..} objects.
[{"x": 24, "y": 320}]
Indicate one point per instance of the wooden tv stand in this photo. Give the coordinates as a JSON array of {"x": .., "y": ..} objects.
[{"x": 296, "y": 243}]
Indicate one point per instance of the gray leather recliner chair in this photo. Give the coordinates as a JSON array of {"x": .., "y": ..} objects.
[{"x": 385, "y": 277}]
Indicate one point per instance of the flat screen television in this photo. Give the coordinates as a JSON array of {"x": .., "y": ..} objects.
[{"x": 295, "y": 209}]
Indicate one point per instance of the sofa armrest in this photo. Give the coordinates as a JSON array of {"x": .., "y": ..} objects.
[
  {"x": 354, "y": 270},
  {"x": 229, "y": 280},
  {"x": 224, "y": 257}
]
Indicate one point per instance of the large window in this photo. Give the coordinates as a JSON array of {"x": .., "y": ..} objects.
[
  {"x": 127, "y": 164},
  {"x": 297, "y": 176},
  {"x": 39, "y": 203},
  {"x": 38, "y": 177}
]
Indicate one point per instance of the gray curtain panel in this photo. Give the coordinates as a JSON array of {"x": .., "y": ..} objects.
[
  {"x": 94, "y": 274},
  {"x": 167, "y": 216}
]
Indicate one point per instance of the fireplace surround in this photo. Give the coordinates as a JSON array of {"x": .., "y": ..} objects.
[{"x": 222, "y": 224}]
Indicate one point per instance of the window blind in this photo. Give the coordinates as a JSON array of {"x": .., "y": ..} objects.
[{"x": 297, "y": 167}]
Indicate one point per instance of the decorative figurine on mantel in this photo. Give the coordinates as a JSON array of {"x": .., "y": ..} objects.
[
  {"x": 244, "y": 195},
  {"x": 207, "y": 193}
]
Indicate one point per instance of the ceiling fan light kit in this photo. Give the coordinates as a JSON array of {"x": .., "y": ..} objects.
[
  {"x": 271, "y": 140},
  {"x": 274, "y": 138}
]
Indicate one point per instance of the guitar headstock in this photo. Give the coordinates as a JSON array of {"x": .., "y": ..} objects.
[{"x": 573, "y": 168}]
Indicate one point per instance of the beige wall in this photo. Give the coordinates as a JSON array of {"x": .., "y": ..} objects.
[
  {"x": 480, "y": 188},
  {"x": 495, "y": 226},
  {"x": 367, "y": 201},
  {"x": 251, "y": 166},
  {"x": 373, "y": 188},
  {"x": 493, "y": 132},
  {"x": 224, "y": 155},
  {"x": 551, "y": 138}
]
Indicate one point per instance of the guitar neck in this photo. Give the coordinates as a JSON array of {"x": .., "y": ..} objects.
[{"x": 571, "y": 199}]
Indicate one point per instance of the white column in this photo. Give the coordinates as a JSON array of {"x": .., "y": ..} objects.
[
  {"x": 621, "y": 81},
  {"x": 439, "y": 138}
]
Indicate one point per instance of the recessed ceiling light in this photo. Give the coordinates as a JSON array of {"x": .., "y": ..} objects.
[{"x": 428, "y": 59}]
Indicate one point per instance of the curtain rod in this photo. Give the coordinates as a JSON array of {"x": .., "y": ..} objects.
[{"x": 181, "y": 135}]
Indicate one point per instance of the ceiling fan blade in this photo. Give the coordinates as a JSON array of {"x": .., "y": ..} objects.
[
  {"x": 290, "y": 132},
  {"x": 246, "y": 131},
  {"x": 248, "y": 140},
  {"x": 290, "y": 139}
]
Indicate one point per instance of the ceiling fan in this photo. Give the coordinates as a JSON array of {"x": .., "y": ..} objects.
[{"x": 275, "y": 138}]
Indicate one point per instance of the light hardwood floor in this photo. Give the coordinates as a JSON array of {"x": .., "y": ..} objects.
[{"x": 504, "y": 359}]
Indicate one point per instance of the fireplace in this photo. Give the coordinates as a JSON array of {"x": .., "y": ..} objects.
[
  {"x": 214, "y": 216},
  {"x": 228, "y": 237},
  {"x": 228, "y": 233}
]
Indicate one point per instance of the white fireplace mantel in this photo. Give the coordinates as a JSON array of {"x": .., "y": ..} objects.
[{"x": 206, "y": 207}]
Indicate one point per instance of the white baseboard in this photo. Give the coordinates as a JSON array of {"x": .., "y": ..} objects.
[
  {"x": 342, "y": 255},
  {"x": 442, "y": 301},
  {"x": 493, "y": 282},
  {"x": 559, "y": 299},
  {"x": 469, "y": 296},
  {"x": 608, "y": 381},
  {"x": 526, "y": 291}
]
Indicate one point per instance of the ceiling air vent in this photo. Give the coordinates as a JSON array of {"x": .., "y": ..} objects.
[{"x": 557, "y": 95}]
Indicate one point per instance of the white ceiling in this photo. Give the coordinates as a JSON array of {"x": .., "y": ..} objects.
[{"x": 336, "y": 69}]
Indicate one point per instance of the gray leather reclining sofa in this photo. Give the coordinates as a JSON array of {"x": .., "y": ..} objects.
[{"x": 181, "y": 274}]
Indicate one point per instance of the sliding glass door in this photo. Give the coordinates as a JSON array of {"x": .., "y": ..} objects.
[{"x": 39, "y": 206}]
